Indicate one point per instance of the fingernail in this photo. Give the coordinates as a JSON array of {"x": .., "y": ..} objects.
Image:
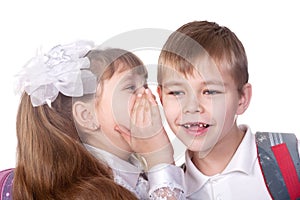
[{"x": 139, "y": 95}]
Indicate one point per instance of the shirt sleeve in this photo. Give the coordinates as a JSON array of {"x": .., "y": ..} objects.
[{"x": 166, "y": 182}]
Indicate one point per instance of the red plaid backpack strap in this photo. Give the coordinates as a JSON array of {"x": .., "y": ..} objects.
[
  {"x": 6, "y": 179},
  {"x": 279, "y": 160}
]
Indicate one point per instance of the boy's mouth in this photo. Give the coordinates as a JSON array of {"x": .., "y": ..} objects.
[
  {"x": 195, "y": 125},
  {"x": 195, "y": 128}
]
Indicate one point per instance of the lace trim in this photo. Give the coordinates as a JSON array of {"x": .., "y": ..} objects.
[
  {"x": 167, "y": 193},
  {"x": 160, "y": 189}
]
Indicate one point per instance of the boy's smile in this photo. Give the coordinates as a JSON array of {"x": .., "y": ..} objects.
[{"x": 195, "y": 128}]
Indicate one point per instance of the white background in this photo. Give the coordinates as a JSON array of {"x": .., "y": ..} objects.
[{"x": 269, "y": 31}]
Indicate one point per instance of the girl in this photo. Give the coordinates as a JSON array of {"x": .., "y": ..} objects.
[
  {"x": 121, "y": 125},
  {"x": 51, "y": 161},
  {"x": 116, "y": 118}
]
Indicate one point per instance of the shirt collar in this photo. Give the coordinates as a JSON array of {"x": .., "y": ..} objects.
[
  {"x": 246, "y": 154},
  {"x": 242, "y": 161},
  {"x": 129, "y": 172},
  {"x": 193, "y": 177}
]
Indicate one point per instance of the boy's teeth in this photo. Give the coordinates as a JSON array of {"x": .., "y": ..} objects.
[
  {"x": 186, "y": 125},
  {"x": 197, "y": 124}
]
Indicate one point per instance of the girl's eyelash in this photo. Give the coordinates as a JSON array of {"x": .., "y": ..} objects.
[
  {"x": 135, "y": 86},
  {"x": 130, "y": 87}
]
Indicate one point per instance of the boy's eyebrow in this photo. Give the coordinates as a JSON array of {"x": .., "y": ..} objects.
[
  {"x": 173, "y": 83},
  {"x": 180, "y": 83},
  {"x": 214, "y": 82}
]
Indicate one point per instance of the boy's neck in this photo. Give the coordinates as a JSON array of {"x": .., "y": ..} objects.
[{"x": 221, "y": 154}]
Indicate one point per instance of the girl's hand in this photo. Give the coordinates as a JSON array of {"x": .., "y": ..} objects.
[{"x": 147, "y": 136}]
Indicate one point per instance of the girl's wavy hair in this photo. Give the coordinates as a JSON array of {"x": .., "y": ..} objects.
[{"x": 52, "y": 162}]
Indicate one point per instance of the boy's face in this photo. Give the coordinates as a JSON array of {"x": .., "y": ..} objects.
[
  {"x": 200, "y": 109},
  {"x": 114, "y": 104}
]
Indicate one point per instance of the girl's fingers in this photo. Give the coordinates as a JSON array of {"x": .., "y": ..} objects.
[
  {"x": 135, "y": 108},
  {"x": 140, "y": 111},
  {"x": 150, "y": 96},
  {"x": 146, "y": 120},
  {"x": 147, "y": 114}
]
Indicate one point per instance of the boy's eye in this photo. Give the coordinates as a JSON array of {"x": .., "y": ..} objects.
[
  {"x": 211, "y": 92},
  {"x": 176, "y": 93}
]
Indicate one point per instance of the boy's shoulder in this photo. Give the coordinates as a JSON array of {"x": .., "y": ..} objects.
[{"x": 278, "y": 155}]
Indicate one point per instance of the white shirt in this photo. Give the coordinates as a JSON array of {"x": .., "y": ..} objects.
[
  {"x": 168, "y": 178},
  {"x": 242, "y": 179}
]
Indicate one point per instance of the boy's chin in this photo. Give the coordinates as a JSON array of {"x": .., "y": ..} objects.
[
  {"x": 199, "y": 148},
  {"x": 200, "y": 154}
]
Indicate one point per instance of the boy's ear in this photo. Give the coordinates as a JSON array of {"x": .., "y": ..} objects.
[
  {"x": 159, "y": 92},
  {"x": 245, "y": 98},
  {"x": 84, "y": 116}
]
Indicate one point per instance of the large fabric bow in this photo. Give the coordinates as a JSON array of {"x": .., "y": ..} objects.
[{"x": 63, "y": 69}]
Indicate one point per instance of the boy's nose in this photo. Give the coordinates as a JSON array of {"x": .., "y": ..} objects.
[{"x": 192, "y": 105}]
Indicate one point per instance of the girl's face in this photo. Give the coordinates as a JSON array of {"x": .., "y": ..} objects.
[{"x": 114, "y": 104}]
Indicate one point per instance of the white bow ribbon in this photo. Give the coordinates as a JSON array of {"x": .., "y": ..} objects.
[{"x": 62, "y": 69}]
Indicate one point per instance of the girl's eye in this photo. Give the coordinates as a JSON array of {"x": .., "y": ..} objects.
[
  {"x": 211, "y": 92},
  {"x": 131, "y": 88},
  {"x": 176, "y": 93}
]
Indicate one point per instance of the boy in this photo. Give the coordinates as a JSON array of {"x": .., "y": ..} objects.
[{"x": 203, "y": 87}]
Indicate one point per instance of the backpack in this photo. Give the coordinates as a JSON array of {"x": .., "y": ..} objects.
[
  {"x": 6, "y": 179},
  {"x": 279, "y": 161}
]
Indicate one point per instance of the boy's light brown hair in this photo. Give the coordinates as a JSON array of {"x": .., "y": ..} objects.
[{"x": 202, "y": 38}]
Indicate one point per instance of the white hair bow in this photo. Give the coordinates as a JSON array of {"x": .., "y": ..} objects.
[{"x": 63, "y": 69}]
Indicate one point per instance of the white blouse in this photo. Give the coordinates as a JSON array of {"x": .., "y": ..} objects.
[{"x": 163, "y": 181}]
